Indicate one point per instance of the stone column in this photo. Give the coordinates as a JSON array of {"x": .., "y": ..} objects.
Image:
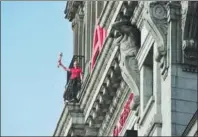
[
  {"x": 92, "y": 25},
  {"x": 156, "y": 82},
  {"x": 174, "y": 34},
  {"x": 80, "y": 36},
  {"x": 75, "y": 36},
  {"x": 157, "y": 92},
  {"x": 80, "y": 31},
  {"x": 87, "y": 30}
]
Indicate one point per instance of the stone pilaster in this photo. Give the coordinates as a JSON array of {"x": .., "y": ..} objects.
[
  {"x": 92, "y": 25},
  {"x": 174, "y": 36},
  {"x": 183, "y": 84},
  {"x": 80, "y": 31},
  {"x": 75, "y": 36},
  {"x": 87, "y": 30},
  {"x": 81, "y": 45},
  {"x": 156, "y": 83}
]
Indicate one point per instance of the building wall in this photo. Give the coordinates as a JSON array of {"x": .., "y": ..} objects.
[
  {"x": 167, "y": 93},
  {"x": 183, "y": 98}
]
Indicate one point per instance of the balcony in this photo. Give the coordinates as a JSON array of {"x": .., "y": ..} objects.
[{"x": 81, "y": 61}]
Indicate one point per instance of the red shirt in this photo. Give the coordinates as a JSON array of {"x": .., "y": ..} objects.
[{"x": 75, "y": 72}]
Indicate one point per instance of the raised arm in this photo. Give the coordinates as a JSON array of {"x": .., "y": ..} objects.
[{"x": 65, "y": 68}]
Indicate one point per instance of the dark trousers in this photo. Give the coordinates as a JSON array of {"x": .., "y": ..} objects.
[{"x": 74, "y": 87}]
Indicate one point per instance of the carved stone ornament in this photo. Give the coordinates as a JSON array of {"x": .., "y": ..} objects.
[
  {"x": 158, "y": 20},
  {"x": 127, "y": 38},
  {"x": 190, "y": 35},
  {"x": 184, "y": 9},
  {"x": 189, "y": 19},
  {"x": 129, "y": 7},
  {"x": 81, "y": 12},
  {"x": 71, "y": 9},
  {"x": 190, "y": 55}
]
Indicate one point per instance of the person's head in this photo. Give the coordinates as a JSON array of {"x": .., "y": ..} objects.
[{"x": 75, "y": 64}]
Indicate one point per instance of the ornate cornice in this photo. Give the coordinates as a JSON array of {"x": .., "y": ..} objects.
[
  {"x": 115, "y": 110},
  {"x": 95, "y": 76},
  {"x": 158, "y": 16},
  {"x": 71, "y": 9},
  {"x": 101, "y": 97}
]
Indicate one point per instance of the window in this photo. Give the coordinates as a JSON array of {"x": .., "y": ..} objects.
[{"x": 146, "y": 75}]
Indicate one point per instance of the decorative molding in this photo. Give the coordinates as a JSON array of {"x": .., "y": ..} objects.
[
  {"x": 113, "y": 7},
  {"x": 146, "y": 110},
  {"x": 100, "y": 67},
  {"x": 144, "y": 49},
  {"x": 81, "y": 13},
  {"x": 72, "y": 116},
  {"x": 190, "y": 34},
  {"x": 159, "y": 25},
  {"x": 190, "y": 57},
  {"x": 101, "y": 97},
  {"x": 101, "y": 79},
  {"x": 71, "y": 9},
  {"x": 184, "y": 10},
  {"x": 61, "y": 122},
  {"x": 137, "y": 15},
  {"x": 189, "y": 19},
  {"x": 173, "y": 10},
  {"x": 129, "y": 7},
  {"x": 159, "y": 16},
  {"x": 66, "y": 127},
  {"x": 156, "y": 121},
  {"x": 74, "y": 23},
  {"x": 89, "y": 89},
  {"x": 121, "y": 96}
]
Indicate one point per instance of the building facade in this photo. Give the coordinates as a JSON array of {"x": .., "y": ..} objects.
[{"x": 140, "y": 68}]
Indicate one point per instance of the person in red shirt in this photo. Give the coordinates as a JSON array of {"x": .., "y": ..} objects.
[{"x": 75, "y": 79}]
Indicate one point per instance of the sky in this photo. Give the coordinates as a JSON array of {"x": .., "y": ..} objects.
[{"x": 32, "y": 35}]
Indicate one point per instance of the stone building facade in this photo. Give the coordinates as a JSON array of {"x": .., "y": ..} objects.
[{"x": 140, "y": 68}]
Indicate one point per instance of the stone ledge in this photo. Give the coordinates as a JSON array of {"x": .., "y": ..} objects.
[{"x": 71, "y": 115}]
